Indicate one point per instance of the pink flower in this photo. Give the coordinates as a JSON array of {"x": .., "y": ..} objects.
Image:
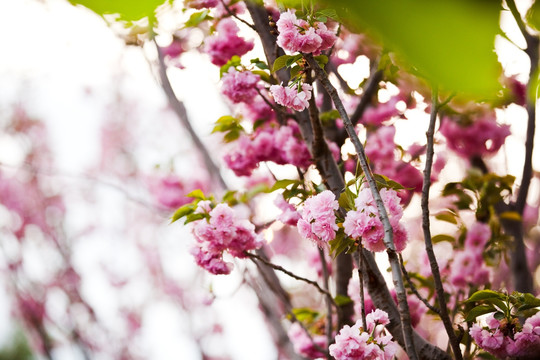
[
  {"x": 289, "y": 214},
  {"x": 364, "y": 222},
  {"x": 318, "y": 221},
  {"x": 297, "y": 35},
  {"x": 226, "y": 43},
  {"x": 292, "y": 97},
  {"x": 376, "y": 317},
  {"x": 477, "y": 237},
  {"x": 240, "y": 86},
  {"x": 223, "y": 232},
  {"x": 200, "y": 4},
  {"x": 303, "y": 345},
  {"x": 483, "y": 137},
  {"x": 375, "y": 116},
  {"x": 355, "y": 343}
]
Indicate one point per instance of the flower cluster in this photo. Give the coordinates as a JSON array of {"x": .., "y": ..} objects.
[
  {"x": 364, "y": 222},
  {"x": 304, "y": 345},
  {"x": 170, "y": 191},
  {"x": 495, "y": 337},
  {"x": 240, "y": 86},
  {"x": 222, "y": 231},
  {"x": 289, "y": 214},
  {"x": 226, "y": 43},
  {"x": 361, "y": 343},
  {"x": 282, "y": 146},
  {"x": 292, "y": 97},
  {"x": 468, "y": 266},
  {"x": 297, "y": 35},
  {"x": 380, "y": 149},
  {"x": 483, "y": 137},
  {"x": 318, "y": 222}
]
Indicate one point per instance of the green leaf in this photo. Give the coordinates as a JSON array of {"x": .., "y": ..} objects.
[
  {"x": 194, "y": 217},
  {"x": 280, "y": 62},
  {"x": 448, "y": 216},
  {"x": 305, "y": 314},
  {"x": 127, "y": 10},
  {"x": 233, "y": 62},
  {"x": 442, "y": 237},
  {"x": 295, "y": 70},
  {"x": 196, "y": 194},
  {"x": 282, "y": 184},
  {"x": 346, "y": 200},
  {"x": 231, "y": 135},
  {"x": 340, "y": 244},
  {"x": 264, "y": 76},
  {"x": 451, "y": 43},
  {"x": 230, "y": 197},
  {"x": 330, "y": 13},
  {"x": 198, "y": 17},
  {"x": 485, "y": 295},
  {"x": 342, "y": 300},
  {"x": 479, "y": 310},
  {"x": 258, "y": 123},
  {"x": 322, "y": 60},
  {"x": 293, "y": 59},
  {"x": 498, "y": 315},
  {"x": 183, "y": 211},
  {"x": 510, "y": 215}
]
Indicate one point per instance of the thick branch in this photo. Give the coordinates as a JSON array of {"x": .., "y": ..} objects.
[
  {"x": 328, "y": 299},
  {"x": 520, "y": 271},
  {"x": 388, "y": 231},
  {"x": 325, "y": 162}
]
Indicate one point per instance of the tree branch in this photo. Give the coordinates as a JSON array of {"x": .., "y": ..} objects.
[
  {"x": 520, "y": 271},
  {"x": 180, "y": 110},
  {"x": 388, "y": 231},
  {"x": 254, "y": 257},
  {"x": 326, "y": 164},
  {"x": 415, "y": 290},
  {"x": 329, "y": 300},
  {"x": 439, "y": 289}
]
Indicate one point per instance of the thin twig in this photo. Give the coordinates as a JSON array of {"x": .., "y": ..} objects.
[
  {"x": 383, "y": 215},
  {"x": 254, "y": 257},
  {"x": 439, "y": 289},
  {"x": 415, "y": 290},
  {"x": 228, "y": 10}
]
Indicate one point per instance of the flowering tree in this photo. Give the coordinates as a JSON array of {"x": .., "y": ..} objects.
[{"x": 350, "y": 191}]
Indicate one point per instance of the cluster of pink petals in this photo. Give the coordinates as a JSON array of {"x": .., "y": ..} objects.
[
  {"x": 201, "y": 4},
  {"x": 292, "y": 97},
  {"x": 226, "y": 43},
  {"x": 468, "y": 267},
  {"x": 282, "y": 146},
  {"x": 364, "y": 222},
  {"x": 222, "y": 232},
  {"x": 493, "y": 339},
  {"x": 304, "y": 345},
  {"x": 297, "y": 35},
  {"x": 483, "y": 137},
  {"x": 381, "y": 151},
  {"x": 289, "y": 215},
  {"x": 318, "y": 222},
  {"x": 240, "y": 86},
  {"x": 170, "y": 191},
  {"x": 369, "y": 343},
  {"x": 376, "y": 115},
  {"x": 257, "y": 110}
]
